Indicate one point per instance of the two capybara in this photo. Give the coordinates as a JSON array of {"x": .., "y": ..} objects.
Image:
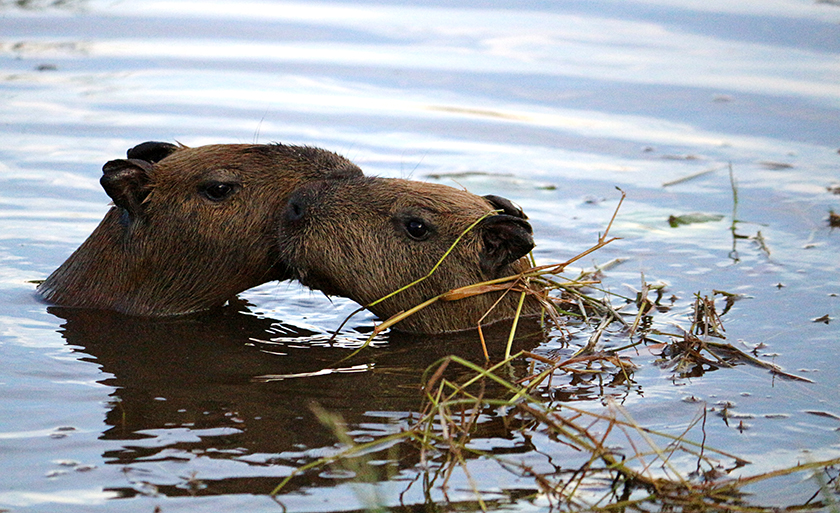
[{"x": 192, "y": 227}]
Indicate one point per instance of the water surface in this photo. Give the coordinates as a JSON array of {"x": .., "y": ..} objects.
[{"x": 552, "y": 105}]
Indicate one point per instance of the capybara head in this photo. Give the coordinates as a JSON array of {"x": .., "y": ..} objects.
[
  {"x": 364, "y": 238},
  {"x": 189, "y": 227}
]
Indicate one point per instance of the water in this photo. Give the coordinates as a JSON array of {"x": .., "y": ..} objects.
[{"x": 552, "y": 105}]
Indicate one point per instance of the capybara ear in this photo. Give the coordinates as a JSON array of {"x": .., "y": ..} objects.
[
  {"x": 506, "y": 239},
  {"x": 152, "y": 151},
  {"x": 127, "y": 183},
  {"x": 505, "y": 205}
]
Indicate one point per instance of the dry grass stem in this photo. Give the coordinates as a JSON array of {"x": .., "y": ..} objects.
[{"x": 605, "y": 460}]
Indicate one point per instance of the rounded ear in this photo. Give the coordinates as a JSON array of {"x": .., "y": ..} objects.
[
  {"x": 152, "y": 151},
  {"x": 506, "y": 239},
  {"x": 505, "y": 205},
  {"x": 127, "y": 183}
]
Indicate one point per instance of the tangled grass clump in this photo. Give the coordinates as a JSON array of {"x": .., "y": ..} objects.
[{"x": 615, "y": 463}]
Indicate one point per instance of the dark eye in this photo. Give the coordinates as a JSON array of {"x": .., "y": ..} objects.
[
  {"x": 417, "y": 229},
  {"x": 218, "y": 191}
]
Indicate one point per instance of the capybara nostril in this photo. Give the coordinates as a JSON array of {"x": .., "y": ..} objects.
[{"x": 295, "y": 210}]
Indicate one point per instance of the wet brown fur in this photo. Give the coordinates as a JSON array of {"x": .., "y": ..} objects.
[
  {"x": 167, "y": 248},
  {"x": 349, "y": 238}
]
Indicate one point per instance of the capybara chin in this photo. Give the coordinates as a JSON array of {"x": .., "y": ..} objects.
[
  {"x": 365, "y": 237},
  {"x": 189, "y": 227}
]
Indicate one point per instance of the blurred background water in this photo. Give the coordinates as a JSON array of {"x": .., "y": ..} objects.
[{"x": 551, "y": 104}]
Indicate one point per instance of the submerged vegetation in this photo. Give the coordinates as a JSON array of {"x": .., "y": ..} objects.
[
  {"x": 612, "y": 462},
  {"x": 597, "y": 456}
]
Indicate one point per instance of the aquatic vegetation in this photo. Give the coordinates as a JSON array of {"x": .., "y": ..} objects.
[{"x": 609, "y": 460}]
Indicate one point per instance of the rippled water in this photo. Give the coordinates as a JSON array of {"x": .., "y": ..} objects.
[{"x": 552, "y": 104}]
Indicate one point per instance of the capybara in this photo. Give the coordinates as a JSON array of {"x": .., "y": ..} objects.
[
  {"x": 366, "y": 237},
  {"x": 189, "y": 227}
]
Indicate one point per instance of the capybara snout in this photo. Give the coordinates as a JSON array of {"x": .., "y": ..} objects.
[
  {"x": 364, "y": 238},
  {"x": 190, "y": 227}
]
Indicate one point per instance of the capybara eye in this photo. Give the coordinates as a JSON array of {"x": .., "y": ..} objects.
[
  {"x": 218, "y": 191},
  {"x": 417, "y": 229}
]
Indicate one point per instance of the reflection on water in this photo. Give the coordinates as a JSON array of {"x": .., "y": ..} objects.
[
  {"x": 549, "y": 104},
  {"x": 233, "y": 386}
]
